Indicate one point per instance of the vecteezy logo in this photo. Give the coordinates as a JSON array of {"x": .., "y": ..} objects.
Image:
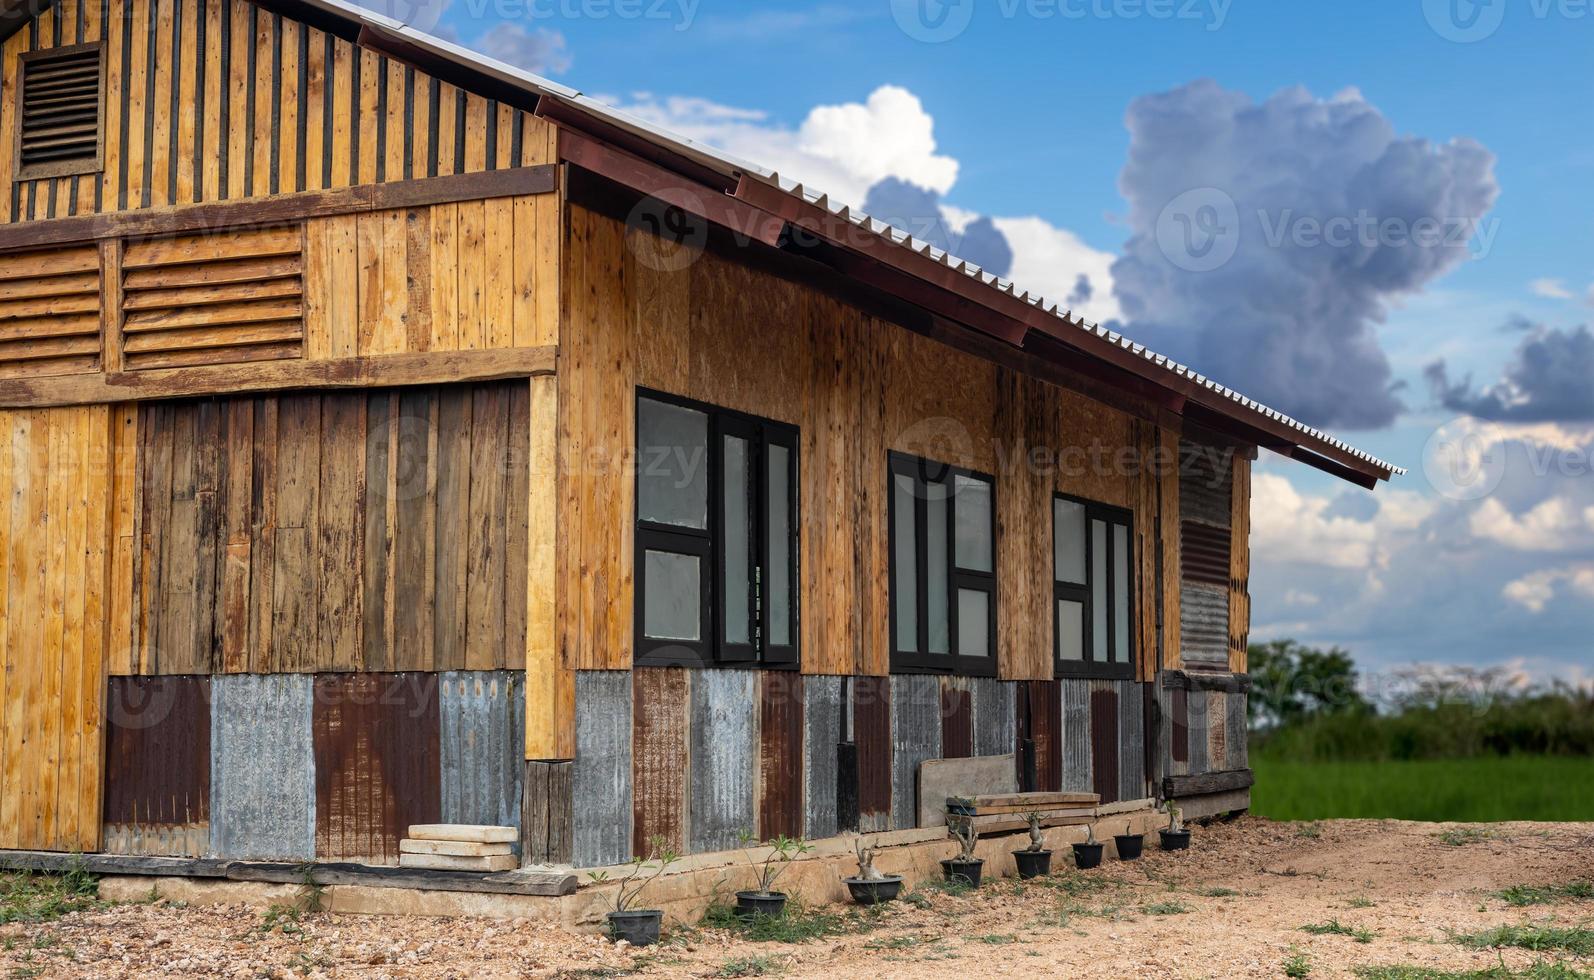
[
  {"x": 1199, "y": 230},
  {"x": 1465, "y": 459},
  {"x": 422, "y": 15},
  {"x": 671, "y": 238},
  {"x": 1464, "y": 21},
  {"x": 933, "y": 21}
]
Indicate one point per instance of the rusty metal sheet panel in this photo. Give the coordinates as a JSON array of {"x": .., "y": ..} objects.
[
  {"x": 1104, "y": 742},
  {"x": 157, "y": 766},
  {"x": 1239, "y": 750},
  {"x": 482, "y": 746},
  {"x": 1077, "y": 777},
  {"x": 720, "y": 801},
  {"x": 871, "y": 733},
  {"x": 823, "y": 722},
  {"x": 1206, "y": 480},
  {"x": 1178, "y": 710},
  {"x": 659, "y": 715},
  {"x": 1204, "y": 623},
  {"x": 957, "y": 718},
  {"x": 1046, "y": 729},
  {"x": 601, "y": 781},
  {"x": 1131, "y": 741},
  {"x": 915, "y": 737},
  {"x": 780, "y": 740},
  {"x": 995, "y": 726},
  {"x": 262, "y": 767},
  {"x": 376, "y": 763}
]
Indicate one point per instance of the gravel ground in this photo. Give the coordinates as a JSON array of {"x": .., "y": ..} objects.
[{"x": 1233, "y": 906}]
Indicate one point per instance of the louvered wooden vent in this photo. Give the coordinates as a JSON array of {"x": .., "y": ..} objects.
[
  {"x": 60, "y": 112},
  {"x": 50, "y": 312},
  {"x": 218, "y": 298}
]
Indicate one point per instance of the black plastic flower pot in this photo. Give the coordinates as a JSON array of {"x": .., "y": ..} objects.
[
  {"x": 1088, "y": 855},
  {"x": 876, "y": 892},
  {"x": 1130, "y": 846},
  {"x": 753, "y": 905},
  {"x": 1033, "y": 864},
  {"x": 1175, "y": 840},
  {"x": 636, "y": 928},
  {"x": 966, "y": 872}
]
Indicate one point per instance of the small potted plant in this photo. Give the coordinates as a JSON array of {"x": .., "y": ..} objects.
[
  {"x": 1177, "y": 836},
  {"x": 1130, "y": 844},
  {"x": 1088, "y": 854},
  {"x": 639, "y": 927},
  {"x": 765, "y": 900},
  {"x": 1035, "y": 860},
  {"x": 964, "y": 868},
  {"x": 871, "y": 887}
]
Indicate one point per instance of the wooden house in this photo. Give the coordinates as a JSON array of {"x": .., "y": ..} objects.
[{"x": 394, "y": 437}]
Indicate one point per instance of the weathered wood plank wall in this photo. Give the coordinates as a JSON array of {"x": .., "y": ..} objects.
[{"x": 210, "y": 100}]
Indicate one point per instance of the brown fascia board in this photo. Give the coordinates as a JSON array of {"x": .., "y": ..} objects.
[{"x": 572, "y": 117}]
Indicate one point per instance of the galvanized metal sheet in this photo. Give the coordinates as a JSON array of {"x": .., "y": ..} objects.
[
  {"x": 1204, "y": 623},
  {"x": 822, "y": 735},
  {"x": 1077, "y": 774},
  {"x": 1239, "y": 751},
  {"x": 915, "y": 737},
  {"x": 482, "y": 745},
  {"x": 601, "y": 780},
  {"x": 720, "y": 802},
  {"x": 995, "y": 725},
  {"x": 262, "y": 767},
  {"x": 1131, "y": 741},
  {"x": 157, "y": 766}
]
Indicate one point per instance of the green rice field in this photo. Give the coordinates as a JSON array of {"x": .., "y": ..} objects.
[{"x": 1478, "y": 790}]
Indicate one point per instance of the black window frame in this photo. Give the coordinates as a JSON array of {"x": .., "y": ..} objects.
[
  {"x": 921, "y": 661},
  {"x": 713, "y": 650},
  {"x": 1089, "y": 666}
]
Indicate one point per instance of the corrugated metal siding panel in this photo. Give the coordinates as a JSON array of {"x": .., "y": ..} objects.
[
  {"x": 376, "y": 763},
  {"x": 1205, "y": 484},
  {"x": 1239, "y": 736},
  {"x": 482, "y": 745},
  {"x": 1204, "y": 554},
  {"x": 262, "y": 768},
  {"x": 1104, "y": 741},
  {"x": 601, "y": 782},
  {"x": 995, "y": 726},
  {"x": 1046, "y": 728},
  {"x": 157, "y": 766},
  {"x": 957, "y": 719},
  {"x": 1179, "y": 733},
  {"x": 822, "y": 734},
  {"x": 780, "y": 739},
  {"x": 1131, "y": 741},
  {"x": 1077, "y": 773},
  {"x": 659, "y": 715},
  {"x": 1204, "y": 623},
  {"x": 915, "y": 737},
  {"x": 871, "y": 732},
  {"x": 724, "y": 754}
]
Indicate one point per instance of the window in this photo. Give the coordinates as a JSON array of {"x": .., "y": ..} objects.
[
  {"x": 716, "y": 517},
  {"x": 59, "y": 98},
  {"x": 943, "y": 568},
  {"x": 1092, "y": 552}
]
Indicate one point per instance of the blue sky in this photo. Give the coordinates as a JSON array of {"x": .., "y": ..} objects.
[{"x": 1023, "y": 116}]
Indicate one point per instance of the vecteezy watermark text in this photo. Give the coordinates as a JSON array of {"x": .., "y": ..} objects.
[
  {"x": 1471, "y": 21},
  {"x": 680, "y": 14},
  {"x": 938, "y": 21}
]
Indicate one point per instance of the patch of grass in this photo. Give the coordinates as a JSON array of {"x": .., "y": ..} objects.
[
  {"x": 281, "y": 918},
  {"x": 956, "y": 887},
  {"x": 1521, "y": 895},
  {"x": 1579, "y": 941},
  {"x": 1521, "y": 787},
  {"x": 1538, "y": 971},
  {"x": 917, "y": 899},
  {"x": 1462, "y": 836},
  {"x": 893, "y": 943},
  {"x": 1361, "y": 902},
  {"x": 1334, "y": 927},
  {"x": 28, "y": 897},
  {"x": 1218, "y": 892},
  {"x": 1001, "y": 940},
  {"x": 1310, "y": 831},
  {"x": 1165, "y": 908},
  {"x": 1298, "y": 966},
  {"x": 749, "y": 966},
  {"x": 1075, "y": 885},
  {"x": 798, "y": 924}
]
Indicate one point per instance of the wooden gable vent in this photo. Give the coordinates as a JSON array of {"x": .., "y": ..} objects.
[
  {"x": 213, "y": 298},
  {"x": 50, "y": 312},
  {"x": 60, "y": 113}
]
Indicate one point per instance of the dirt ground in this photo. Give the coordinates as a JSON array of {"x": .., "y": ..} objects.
[{"x": 1233, "y": 906}]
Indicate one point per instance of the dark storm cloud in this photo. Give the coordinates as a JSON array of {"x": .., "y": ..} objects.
[
  {"x": 918, "y": 212},
  {"x": 1550, "y": 379}
]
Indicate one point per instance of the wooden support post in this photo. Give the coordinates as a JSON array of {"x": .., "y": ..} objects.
[
  {"x": 111, "y": 306},
  {"x": 550, "y": 683},
  {"x": 547, "y": 814}
]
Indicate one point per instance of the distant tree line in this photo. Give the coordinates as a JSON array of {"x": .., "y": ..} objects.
[{"x": 1312, "y": 704}]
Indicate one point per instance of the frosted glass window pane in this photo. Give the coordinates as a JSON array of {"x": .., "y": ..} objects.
[
  {"x": 672, "y": 464},
  {"x": 1070, "y": 630},
  {"x": 1098, "y": 591},
  {"x": 674, "y": 589},
  {"x": 1120, "y": 597},
  {"x": 738, "y": 543},
  {"x": 1068, "y": 541},
  {"x": 935, "y": 544},
  {"x": 905, "y": 561},
  {"x": 974, "y": 623},
  {"x": 779, "y": 545},
  {"x": 973, "y": 507}
]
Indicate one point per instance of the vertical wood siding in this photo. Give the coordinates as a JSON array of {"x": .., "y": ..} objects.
[
  {"x": 1239, "y": 756},
  {"x": 380, "y": 531},
  {"x": 995, "y": 727},
  {"x": 1217, "y": 729},
  {"x": 54, "y": 539},
  {"x": 659, "y": 756},
  {"x": 262, "y": 768},
  {"x": 724, "y": 758},
  {"x": 601, "y": 783},
  {"x": 157, "y": 766},
  {"x": 823, "y": 722},
  {"x": 481, "y": 738},
  {"x": 211, "y": 100},
  {"x": 871, "y": 735},
  {"x": 1240, "y": 568},
  {"x": 915, "y": 737},
  {"x": 376, "y": 763},
  {"x": 780, "y": 740}
]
